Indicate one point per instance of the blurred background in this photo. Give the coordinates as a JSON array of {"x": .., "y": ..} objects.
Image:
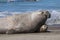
[{"x": 10, "y": 7}]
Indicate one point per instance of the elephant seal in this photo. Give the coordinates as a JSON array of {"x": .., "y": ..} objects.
[
  {"x": 26, "y": 22},
  {"x": 43, "y": 28}
]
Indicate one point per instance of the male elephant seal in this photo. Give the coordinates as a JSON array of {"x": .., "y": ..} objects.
[{"x": 27, "y": 22}]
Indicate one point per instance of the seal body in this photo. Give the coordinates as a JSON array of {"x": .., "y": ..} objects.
[{"x": 27, "y": 22}]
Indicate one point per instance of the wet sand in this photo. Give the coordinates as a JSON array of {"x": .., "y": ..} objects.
[{"x": 52, "y": 34}]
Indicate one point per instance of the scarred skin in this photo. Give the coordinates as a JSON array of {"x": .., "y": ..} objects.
[{"x": 27, "y": 22}]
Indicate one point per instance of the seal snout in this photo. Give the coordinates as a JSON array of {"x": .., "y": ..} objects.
[{"x": 47, "y": 14}]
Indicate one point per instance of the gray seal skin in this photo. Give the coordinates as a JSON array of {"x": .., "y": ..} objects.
[{"x": 27, "y": 22}]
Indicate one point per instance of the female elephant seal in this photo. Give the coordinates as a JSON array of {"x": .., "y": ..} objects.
[{"x": 27, "y": 22}]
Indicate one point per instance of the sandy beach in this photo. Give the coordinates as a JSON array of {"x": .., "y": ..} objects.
[{"x": 53, "y": 34}]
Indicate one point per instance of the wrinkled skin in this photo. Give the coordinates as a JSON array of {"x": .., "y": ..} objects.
[{"x": 27, "y": 22}]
